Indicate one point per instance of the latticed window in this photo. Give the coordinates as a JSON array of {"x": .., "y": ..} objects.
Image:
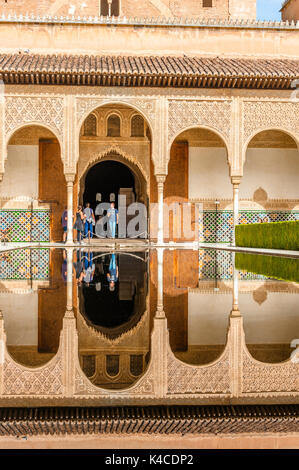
[
  {"x": 136, "y": 364},
  {"x": 90, "y": 125},
  {"x": 110, "y": 8},
  {"x": 207, "y": 3},
  {"x": 112, "y": 365},
  {"x": 113, "y": 126},
  {"x": 89, "y": 365},
  {"x": 137, "y": 126}
]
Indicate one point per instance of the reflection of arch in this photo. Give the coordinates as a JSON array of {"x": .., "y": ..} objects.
[
  {"x": 116, "y": 154},
  {"x": 263, "y": 129}
]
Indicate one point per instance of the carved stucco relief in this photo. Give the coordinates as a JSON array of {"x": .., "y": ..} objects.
[
  {"x": 188, "y": 379},
  {"x": 215, "y": 115},
  {"x": 262, "y": 115},
  {"x": 260, "y": 378},
  {"x": 44, "y": 381},
  {"x": 21, "y": 110},
  {"x": 86, "y": 105}
]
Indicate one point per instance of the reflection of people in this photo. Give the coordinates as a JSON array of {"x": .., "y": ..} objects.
[
  {"x": 112, "y": 213},
  {"x": 112, "y": 276},
  {"x": 64, "y": 267},
  {"x": 89, "y": 221},
  {"x": 78, "y": 265},
  {"x": 89, "y": 269},
  {"x": 79, "y": 226},
  {"x": 64, "y": 224}
]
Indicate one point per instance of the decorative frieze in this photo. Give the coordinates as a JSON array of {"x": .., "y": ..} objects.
[
  {"x": 215, "y": 115},
  {"x": 260, "y": 115},
  {"x": 47, "y": 111}
]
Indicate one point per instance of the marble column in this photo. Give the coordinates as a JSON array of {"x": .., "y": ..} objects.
[
  {"x": 160, "y": 183},
  {"x": 236, "y": 183}
]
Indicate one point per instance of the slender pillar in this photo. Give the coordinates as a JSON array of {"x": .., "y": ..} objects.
[
  {"x": 160, "y": 181},
  {"x": 236, "y": 184},
  {"x": 70, "y": 188},
  {"x": 160, "y": 306}
]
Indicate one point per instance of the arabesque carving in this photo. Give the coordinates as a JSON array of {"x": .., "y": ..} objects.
[
  {"x": 22, "y": 110},
  {"x": 262, "y": 115},
  {"x": 187, "y": 114}
]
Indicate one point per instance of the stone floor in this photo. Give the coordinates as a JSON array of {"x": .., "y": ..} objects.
[
  {"x": 123, "y": 244},
  {"x": 262, "y": 441}
]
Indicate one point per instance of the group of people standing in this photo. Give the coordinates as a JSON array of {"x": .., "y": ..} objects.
[{"x": 85, "y": 222}]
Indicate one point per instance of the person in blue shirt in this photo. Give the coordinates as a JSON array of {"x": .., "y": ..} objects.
[
  {"x": 89, "y": 221},
  {"x": 112, "y": 275},
  {"x": 112, "y": 214}
]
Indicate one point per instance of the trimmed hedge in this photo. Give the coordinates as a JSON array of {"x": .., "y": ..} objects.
[
  {"x": 276, "y": 235},
  {"x": 285, "y": 269}
]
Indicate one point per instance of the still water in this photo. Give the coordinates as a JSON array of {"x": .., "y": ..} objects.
[{"x": 114, "y": 297}]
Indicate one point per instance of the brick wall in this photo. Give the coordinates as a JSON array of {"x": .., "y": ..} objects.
[{"x": 186, "y": 8}]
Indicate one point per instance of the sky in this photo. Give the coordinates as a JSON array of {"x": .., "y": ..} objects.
[{"x": 269, "y": 9}]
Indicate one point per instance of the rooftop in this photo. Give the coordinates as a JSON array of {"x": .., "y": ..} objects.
[{"x": 158, "y": 71}]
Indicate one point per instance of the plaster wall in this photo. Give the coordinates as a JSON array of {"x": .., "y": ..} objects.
[
  {"x": 125, "y": 40},
  {"x": 274, "y": 170},
  {"x": 21, "y": 172},
  {"x": 209, "y": 173},
  {"x": 274, "y": 321},
  {"x": 20, "y": 313}
]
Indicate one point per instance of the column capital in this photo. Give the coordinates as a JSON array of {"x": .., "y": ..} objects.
[
  {"x": 160, "y": 178},
  {"x": 236, "y": 180},
  {"x": 70, "y": 177}
]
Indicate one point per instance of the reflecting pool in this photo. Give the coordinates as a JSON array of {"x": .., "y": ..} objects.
[{"x": 154, "y": 326}]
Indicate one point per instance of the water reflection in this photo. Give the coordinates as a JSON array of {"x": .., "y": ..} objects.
[{"x": 116, "y": 296}]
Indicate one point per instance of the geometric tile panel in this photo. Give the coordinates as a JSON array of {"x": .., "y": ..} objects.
[
  {"x": 25, "y": 264},
  {"x": 218, "y": 265},
  {"x": 217, "y": 226},
  {"x": 19, "y": 225}
]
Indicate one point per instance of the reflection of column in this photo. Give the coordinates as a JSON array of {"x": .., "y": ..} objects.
[
  {"x": 2, "y": 351},
  {"x": 235, "y": 287},
  {"x": 69, "y": 281},
  {"x": 160, "y": 307},
  {"x": 236, "y": 183},
  {"x": 160, "y": 181},
  {"x": 70, "y": 187},
  {"x": 235, "y": 339}
]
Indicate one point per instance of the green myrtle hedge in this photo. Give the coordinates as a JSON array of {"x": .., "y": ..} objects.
[
  {"x": 276, "y": 235},
  {"x": 286, "y": 269}
]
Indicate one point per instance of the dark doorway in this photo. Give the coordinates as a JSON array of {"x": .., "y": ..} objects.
[{"x": 107, "y": 177}]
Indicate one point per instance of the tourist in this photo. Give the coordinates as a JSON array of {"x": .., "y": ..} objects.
[
  {"x": 64, "y": 224},
  {"x": 112, "y": 276},
  {"x": 89, "y": 221},
  {"x": 88, "y": 270},
  {"x": 79, "y": 224},
  {"x": 112, "y": 213}
]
